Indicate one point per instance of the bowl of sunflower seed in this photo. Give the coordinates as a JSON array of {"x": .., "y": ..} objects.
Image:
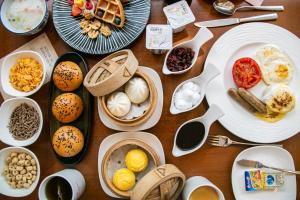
[{"x": 21, "y": 121}]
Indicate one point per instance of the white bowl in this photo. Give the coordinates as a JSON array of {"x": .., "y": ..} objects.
[
  {"x": 6, "y": 110},
  {"x": 5, "y": 189},
  {"x": 5, "y": 6},
  {"x": 11, "y": 60}
]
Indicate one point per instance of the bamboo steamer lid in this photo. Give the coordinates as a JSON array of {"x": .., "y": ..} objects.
[
  {"x": 111, "y": 73},
  {"x": 162, "y": 183}
]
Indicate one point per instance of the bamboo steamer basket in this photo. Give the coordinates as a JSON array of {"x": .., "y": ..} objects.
[
  {"x": 110, "y": 74},
  {"x": 114, "y": 159},
  {"x": 162, "y": 183},
  {"x": 146, "y": 115}
]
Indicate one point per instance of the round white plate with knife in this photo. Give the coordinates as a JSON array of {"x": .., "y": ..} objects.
[
  {"x": 270, "y": 156},
  {"x": 244, "y": 41}
]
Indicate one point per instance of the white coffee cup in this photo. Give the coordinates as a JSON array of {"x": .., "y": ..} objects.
[
  {"x": 72, "y": 176},
  {"x": 196, "y": 182}
]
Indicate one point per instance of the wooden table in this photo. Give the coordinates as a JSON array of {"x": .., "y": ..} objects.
[{"x": 213, "y": 163}]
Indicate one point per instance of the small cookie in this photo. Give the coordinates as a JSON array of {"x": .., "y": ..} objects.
[
  {"x": 93, "y": 34},
  {"x": 105, "y": 30}
]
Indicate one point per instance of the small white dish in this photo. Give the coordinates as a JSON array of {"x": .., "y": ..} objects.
[
  {"x": 212, "y": 114},
  {"x": 196, "y": 182},
  {"x": 11, "y": 60},
  {"x": 271, "y": 156},
  {"x": 195, "y": 44},
  {"x": 109, "y": 141},
  {"x": 154, "y": 117},
  {"x": 202, "y": 81},
  {"x": 6, "y": 110},
  {"x": 5, "y": 189}
]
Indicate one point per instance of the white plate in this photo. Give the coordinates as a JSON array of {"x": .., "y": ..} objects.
[
  {"x": 243, "y": 41},
  {"x": 152, "y": 120},
  {"x": 269, "y": 155},
  {"x": 109, "y": 141}
]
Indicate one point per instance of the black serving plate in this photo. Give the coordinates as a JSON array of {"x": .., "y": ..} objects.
[{"x": 84, "y": 121}]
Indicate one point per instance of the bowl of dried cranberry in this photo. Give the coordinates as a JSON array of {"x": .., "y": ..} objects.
[{"x": 183, "y": 56}]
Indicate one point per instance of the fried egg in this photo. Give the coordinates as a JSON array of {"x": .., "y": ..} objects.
[
  {"x": 275, "y": 65},
  {"x": 279, "y": 98}
]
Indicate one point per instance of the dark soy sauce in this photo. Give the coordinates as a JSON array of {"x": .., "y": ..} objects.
[
  {"x": 58, "y": 188},
  {"x": 190, "y": 135}
]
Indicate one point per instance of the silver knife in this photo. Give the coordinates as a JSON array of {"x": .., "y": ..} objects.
[
  {"x": 257, "y": 164},
  {"x": 231, "y": 21}
]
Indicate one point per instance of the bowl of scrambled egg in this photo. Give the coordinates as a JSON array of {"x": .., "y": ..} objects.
[{"x": 23, "y": 73}]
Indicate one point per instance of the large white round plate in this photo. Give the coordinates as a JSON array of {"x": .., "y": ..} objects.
[
  {"x": 109, "y": 141},
  {"x": 268, "y": 155},
  {"x": 242, "y": 41}
]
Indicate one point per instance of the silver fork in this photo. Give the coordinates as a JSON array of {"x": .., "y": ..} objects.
[{"x": 224, "y": 141}]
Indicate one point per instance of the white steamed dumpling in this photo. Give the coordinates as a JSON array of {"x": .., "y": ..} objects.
[
  {"x": 118, "y": 104},
  {"x": 137, "y": 90}
]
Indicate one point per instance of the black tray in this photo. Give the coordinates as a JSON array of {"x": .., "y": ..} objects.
[{"x": 84, "y": 121}]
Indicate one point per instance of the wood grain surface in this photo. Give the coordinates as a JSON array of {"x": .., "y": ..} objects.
[{"x": 211, "y": 162}]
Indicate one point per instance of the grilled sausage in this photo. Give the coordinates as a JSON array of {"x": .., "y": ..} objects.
[
  {"x": 253, "y": 100},
  {"x": 235, "y": 95}
]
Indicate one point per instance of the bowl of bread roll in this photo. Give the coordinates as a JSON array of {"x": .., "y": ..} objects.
[{"x": 127, "y": 95}]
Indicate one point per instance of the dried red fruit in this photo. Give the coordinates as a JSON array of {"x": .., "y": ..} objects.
[
  {"x": 180, "y": 59},
  {"x": 89, "y": 5}
]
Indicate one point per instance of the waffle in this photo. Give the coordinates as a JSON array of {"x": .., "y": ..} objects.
[{"x": 111, "y": 11}]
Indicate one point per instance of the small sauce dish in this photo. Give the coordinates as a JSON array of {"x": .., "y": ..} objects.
[
  {"x": 195, "y": 44},
  {"x": 9, "y": 61},
  {"x": 202, "y": 81},
  {"x": 6, "y": 109},
  {"x": 205, "y": 121}
]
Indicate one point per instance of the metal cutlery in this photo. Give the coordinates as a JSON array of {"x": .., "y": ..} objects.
[
  {"x": 224, "y": 141},
  {"x": 228, "y": 8},
  {"x": 232, "y": 21},
  {"x": 257, "y": 164}
]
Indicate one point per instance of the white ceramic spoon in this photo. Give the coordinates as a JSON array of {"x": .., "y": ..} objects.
[
  {"x": 195, "y": 44},
  {"x": 211, "y": 115},
  {"x": 202, "y": 81}
]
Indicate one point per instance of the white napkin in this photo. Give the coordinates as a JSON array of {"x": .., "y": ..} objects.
[{"x": 255, "y": 2}]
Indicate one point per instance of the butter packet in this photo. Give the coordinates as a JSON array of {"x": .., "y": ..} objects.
[{"x": 259, "y": 180}]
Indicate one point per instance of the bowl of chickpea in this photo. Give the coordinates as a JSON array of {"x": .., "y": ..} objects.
[{"x": 19, "y": 171}]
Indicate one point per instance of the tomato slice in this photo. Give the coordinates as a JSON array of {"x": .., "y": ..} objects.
[{"x": 246, "y": 73}]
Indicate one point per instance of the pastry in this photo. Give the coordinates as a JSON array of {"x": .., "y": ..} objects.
[
  {"x": 67, "y": 141},
  {"x": 111, "y": 12},
  {"x": 137, "y": 90},
  {"x": 67, "y": 107},
  {"x": 105, "y": 30},
  {"x": 136, "y": 160},
  {"x": 67, "y": 76},
  {"x": 124, "y": 179},
  {"x": 118, "y": 104},
  {"x": 91, "y": 27}
]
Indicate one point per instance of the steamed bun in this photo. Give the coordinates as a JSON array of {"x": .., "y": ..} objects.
[{"x": 137, "y": 90}]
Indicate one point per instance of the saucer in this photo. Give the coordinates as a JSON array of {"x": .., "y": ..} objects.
[
  {"x": 151, "y": 121},
  {"x": 109, "y": 141},
  {"x": 270, "y": 156}
]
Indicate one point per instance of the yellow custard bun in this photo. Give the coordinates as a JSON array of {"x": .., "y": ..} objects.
[
  {"x": 136, "y": 160},
  {"x": 124, "y": 179}
]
